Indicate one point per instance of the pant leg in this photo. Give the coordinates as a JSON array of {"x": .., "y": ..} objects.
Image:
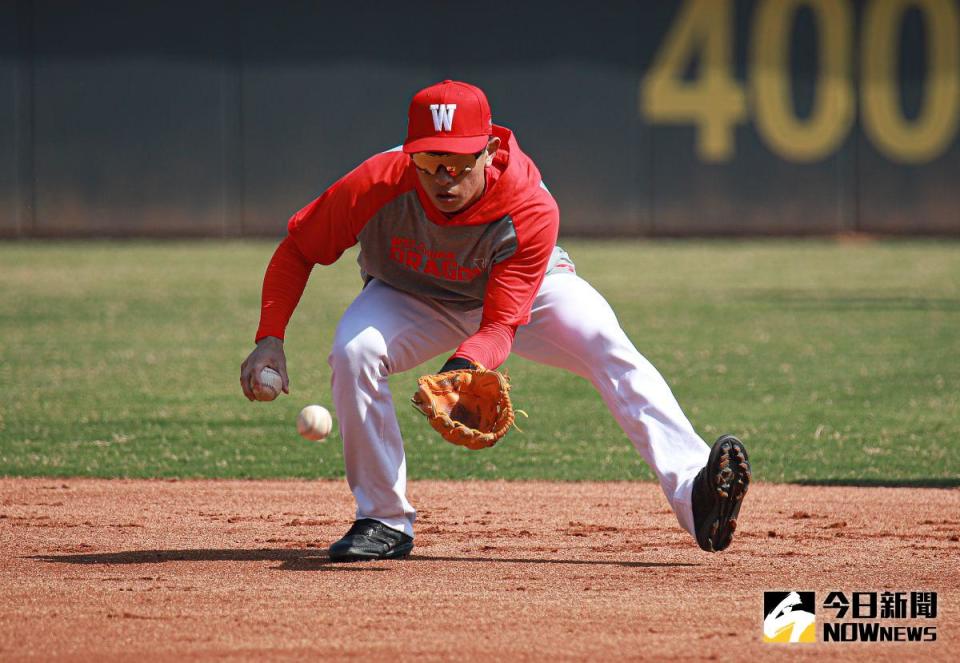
[
  {"x": 573, "y": 327},
  {"x": 383, "y": 331}
]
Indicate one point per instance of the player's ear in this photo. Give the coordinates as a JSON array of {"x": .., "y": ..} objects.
[{"x": 492, "y": 146}]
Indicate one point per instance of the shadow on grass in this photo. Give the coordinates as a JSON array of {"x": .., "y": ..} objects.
[
  {"x": 299, "y": 559},
  {"x": 950, "y": 482},
  {"x": 851, "y": 300}
]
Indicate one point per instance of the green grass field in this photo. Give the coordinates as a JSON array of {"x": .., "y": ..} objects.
[{"x": 835, "y": 361}]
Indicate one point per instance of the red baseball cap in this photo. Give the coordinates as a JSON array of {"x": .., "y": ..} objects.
[{"x": 448, "y": 117}]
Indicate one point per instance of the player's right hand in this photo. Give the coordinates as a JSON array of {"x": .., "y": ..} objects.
[{"x": 269, "y": 352}]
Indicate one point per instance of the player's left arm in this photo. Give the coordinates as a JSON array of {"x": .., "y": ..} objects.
[{"x": 512, "y": 287}]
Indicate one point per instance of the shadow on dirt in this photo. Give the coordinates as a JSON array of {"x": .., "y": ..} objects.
[
  {"x": 949, "y": 482},
  {"x": 321, "y": 563},
  {"x": 187, "y": 555},
  {"x": 309, "y": 559}
]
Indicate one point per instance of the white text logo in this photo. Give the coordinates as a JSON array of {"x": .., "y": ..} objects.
[{"x": 442, "y": 116}]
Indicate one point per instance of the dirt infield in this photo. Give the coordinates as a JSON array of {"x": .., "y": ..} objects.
[{"x": 516, "y": 571}]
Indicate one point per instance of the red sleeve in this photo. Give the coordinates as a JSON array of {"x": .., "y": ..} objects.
[
  {"x": 329, "y": 225},
  {"x": 514, "y": 282},
  {"x": 490, "y": 346},
  {"x": 323, "y": 230},
  {"x": 283, "y": 284}
]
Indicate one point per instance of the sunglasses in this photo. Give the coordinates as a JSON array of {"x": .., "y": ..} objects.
[{"x": 454, "y": 164}]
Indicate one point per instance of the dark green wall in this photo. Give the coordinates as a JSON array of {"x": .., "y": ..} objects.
[{"x": 223, "y": 118}]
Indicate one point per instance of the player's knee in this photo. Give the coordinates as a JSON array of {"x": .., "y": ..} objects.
[
  {"x": 607, "y": 349},
  {"x": 588, "y": 339},
  {"x": 364, "y": 352}
]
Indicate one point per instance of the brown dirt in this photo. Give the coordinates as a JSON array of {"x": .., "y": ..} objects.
[{"x": 228, "y": 569}]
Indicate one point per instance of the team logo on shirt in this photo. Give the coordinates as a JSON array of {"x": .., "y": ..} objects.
[
  {"x": 443, "y": 116},
  {"x": 418, "y": 257}
]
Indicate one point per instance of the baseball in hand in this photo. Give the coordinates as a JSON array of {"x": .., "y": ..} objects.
[
  {"x": 314, "y": 422},
  {"x": 270, "y": 385}
]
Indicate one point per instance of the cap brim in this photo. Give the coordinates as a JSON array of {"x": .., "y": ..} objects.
[{"x": 452, "y": 144}]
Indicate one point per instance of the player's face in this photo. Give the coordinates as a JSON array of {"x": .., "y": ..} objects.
[{"x": 456, "y": 180}]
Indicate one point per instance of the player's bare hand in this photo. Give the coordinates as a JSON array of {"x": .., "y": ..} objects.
[{"x": 269, "y": 352}]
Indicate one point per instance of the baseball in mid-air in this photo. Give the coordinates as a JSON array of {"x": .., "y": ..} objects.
[
  {"x": 271, "y": 384},
  {"x": 314, "y": 422}
]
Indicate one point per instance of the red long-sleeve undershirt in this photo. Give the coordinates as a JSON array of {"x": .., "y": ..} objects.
[
  {"x": 283, "y": 285},
  {"x": 490, "y": 346}
]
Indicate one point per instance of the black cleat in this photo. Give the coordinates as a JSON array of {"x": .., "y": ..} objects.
[
  {"x": 718, "y": 492},
  {"x": 370, "y": 539}
]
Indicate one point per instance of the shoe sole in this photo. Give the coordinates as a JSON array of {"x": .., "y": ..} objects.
[
  {"x": 362, "y": 556},
  {"x": 731, "y": 479}
]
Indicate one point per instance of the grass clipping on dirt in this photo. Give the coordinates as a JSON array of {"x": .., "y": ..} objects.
[{"x": 835, "y": 362}]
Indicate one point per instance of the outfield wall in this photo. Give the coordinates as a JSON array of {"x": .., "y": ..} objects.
[{"x": 697, "y": 117}]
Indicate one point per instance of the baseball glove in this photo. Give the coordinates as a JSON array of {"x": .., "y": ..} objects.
[{"x": 469, "y": 407}]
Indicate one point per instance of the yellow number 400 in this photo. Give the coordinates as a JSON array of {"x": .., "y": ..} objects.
[{"x": 715, "y": 102}]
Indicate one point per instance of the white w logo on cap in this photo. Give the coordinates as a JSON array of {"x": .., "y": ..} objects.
[{"x": 443, "y": 116}]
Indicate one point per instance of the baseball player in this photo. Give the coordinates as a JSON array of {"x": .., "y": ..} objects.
[{"x": 458, "y": 252}]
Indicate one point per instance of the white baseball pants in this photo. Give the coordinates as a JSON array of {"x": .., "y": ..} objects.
[{"x": 572, "y": 327}]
